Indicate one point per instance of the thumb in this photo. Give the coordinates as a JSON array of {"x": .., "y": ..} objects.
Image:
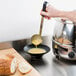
[{"x": 44, "y": 13}]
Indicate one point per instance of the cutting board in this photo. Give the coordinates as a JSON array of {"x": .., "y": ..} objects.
[{"x": 19, "y": 59}]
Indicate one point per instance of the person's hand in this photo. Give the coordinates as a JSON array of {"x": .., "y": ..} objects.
[{"x": 50, "y": 12}]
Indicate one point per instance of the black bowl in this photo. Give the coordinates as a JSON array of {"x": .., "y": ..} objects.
[{"x": 37, "y": 56}]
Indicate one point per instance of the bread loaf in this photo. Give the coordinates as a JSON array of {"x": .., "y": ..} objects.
[{"x": 7, "y": 65}]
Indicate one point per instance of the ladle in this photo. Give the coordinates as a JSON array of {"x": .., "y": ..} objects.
[{"x": 37, "y": 39}]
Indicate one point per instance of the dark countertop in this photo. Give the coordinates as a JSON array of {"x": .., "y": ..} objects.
[{"x": 48, "y": 65}]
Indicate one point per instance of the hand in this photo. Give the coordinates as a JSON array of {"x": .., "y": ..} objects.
[{"x": 50, "y": 12}]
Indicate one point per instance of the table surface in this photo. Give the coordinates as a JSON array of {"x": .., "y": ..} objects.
[{"x": 48, "y": 65}]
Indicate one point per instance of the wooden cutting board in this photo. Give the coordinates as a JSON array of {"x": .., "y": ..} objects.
[{"x": 19, "y": 59}]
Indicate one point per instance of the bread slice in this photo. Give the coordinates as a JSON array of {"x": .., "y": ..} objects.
[{"x": 24, "y": 68}]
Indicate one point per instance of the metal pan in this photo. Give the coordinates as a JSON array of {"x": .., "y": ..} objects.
[{"x": 28, "y": 47}]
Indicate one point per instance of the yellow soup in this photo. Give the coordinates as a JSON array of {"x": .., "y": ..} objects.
[
  {"x": 36, "y": 51},
  {"x": 37, "y": 41}
]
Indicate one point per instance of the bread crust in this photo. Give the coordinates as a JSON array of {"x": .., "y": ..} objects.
[{"x": 5, "y": 65}]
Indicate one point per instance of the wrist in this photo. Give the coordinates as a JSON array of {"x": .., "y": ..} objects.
[
  {"x": 64, "y": 14},
  {"x": 61, "y": 14}
]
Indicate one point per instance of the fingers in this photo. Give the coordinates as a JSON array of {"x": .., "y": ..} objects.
[
  {"x": 45, "y": 14},
  {"x": 47, "y": 17}
]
